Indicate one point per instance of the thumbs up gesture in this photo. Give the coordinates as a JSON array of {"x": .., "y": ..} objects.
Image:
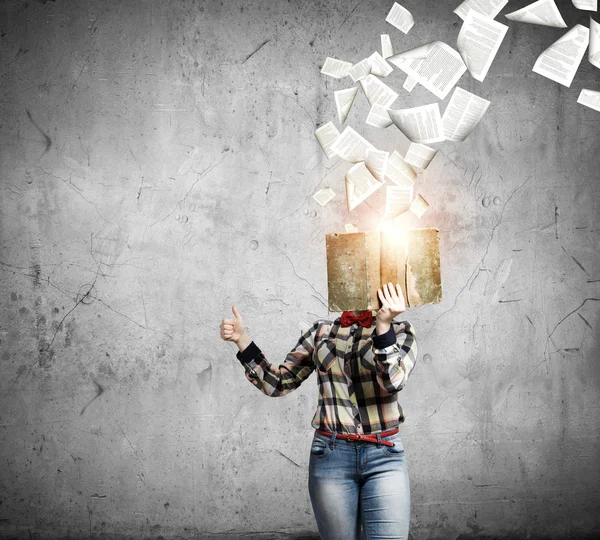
[{"x": 233, "y": 329}]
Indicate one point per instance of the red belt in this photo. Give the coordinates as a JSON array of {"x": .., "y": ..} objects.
[{"x": 357, "y": 437}]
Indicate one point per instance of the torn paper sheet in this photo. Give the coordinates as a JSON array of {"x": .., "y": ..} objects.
[
  {"x": 397, "y": 201},
  {"x": 343, "y": 102},
  {"x": 323, "y": 196},
  {"x": 478, "y": 42},
  {"x": 375, "y": 163},
  {"x": 350, "y": 227},
  {"x": 360, "y": 183},
  {"x": 398, "y": 171},
  {"x": 420, "y": 124},
  {"x": 409, "y": 83},
  {"x": 586, "y": 5},
  {"x": 351, "y": 146},
  {"x": 338, "y": 69},
  {"x": 379, "y": 66},
  {"x": 487, "y": 8},
  {"x": 327, "y": 135},
  {"x": 589, "y": 98},
  {"x": 359, "y": 71},
  {"x": 436, "y": 66},
  {"x": 542, "y": 12},
  {"x": 419, "y": 206},
  {"x": 386, "y": 46},
  {"x": 378, "y": 117},
  {"x": 560, "y": 61},
  {"x": 377, "y": 92},
  {"x": 400, "y": 17},
  {"x": 463, "y": 113},
  {"x": 594, "y": 52}
]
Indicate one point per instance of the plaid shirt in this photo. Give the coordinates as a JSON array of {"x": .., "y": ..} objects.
[{"x": 358, "y": 372}]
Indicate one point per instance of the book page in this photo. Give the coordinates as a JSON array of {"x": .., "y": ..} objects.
[
  {"x": 463, "y": 113},
  {"x": 360, "y": 70},
  {"x": 350, "y": 146},
  {"x": 420, "y": 155},
  {"x": 376, "y": 162},
  {"x": 338, "y": 69},
  {"x": 323, "y": 196},
  {"x": 386, "y": 46},
  {"x": 398, "y": 171},
  {"x": 397, "y": 200},
  {"x": 419, "y": 206},
  {"x": 589, "y": 98},
  {"x": 360, "y": 183},
  {"x": 560, "y": 61},
  {"x": 379, "y": 66},
  {"x": 343, "y": 102},
  {"x": 594, "y": 52},
  {"x": 401, "y": 18},
  {"x": 488, "y": 8},
  {"x": 478, "y": 42},
  {"x": 378, "y": 117},
  {"x": 350, "y": 227},
  {"x": 420, "y": 124},
  {"x": 327, "y": 135},
  {"x": 436, "y": 66},
  {"x": 377, "y": 92},
  {"x": 542, "y": 12},
  {"x": 587, "y": 5}
]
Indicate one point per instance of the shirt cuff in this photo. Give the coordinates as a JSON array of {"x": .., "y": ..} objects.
[
  {"x": 384, "y": 340},
  {"x": 249, "y": 353}
]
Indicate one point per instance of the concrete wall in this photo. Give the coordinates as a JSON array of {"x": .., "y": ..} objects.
[{"x": 157, "y": 165}]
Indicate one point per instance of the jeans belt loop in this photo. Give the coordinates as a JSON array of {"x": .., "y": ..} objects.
[
  {"x": 378, "y": 440},
  {"x": 332, "y": 441}
]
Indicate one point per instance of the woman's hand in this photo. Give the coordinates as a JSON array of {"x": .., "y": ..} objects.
[
  {"x": 234, "y": 330},
  {"x": 392, "y": 304}
]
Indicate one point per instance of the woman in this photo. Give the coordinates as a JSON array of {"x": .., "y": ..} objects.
[{"x": 357, "y": 473}]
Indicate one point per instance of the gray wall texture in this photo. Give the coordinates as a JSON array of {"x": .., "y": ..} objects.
[{"x": 157, "y": 165}]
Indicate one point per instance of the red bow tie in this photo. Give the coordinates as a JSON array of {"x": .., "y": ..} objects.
[{"x": 364, "y": 319}]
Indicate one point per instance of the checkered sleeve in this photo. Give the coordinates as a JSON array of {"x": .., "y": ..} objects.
[
  {"x": 296, "y": 368},
  {"x": 395, "y": 355}
]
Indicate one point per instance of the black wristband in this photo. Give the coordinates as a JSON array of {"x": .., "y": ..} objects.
[{"x": 249, "y": 353}]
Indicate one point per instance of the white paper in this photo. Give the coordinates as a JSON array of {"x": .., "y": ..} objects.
[
  {"x": 343, "y": 102},
  {"x": 397, "y": 200},
  {"x": 376, "y": 162},
  {"x": 386, "y": 46},
  {"x": 327, "y": 135},
  {"x": 594, "y": 52},
  {"x": 360, "y": 70},
  {"x": 463, "y": 113},
  {"x": 360, "y": 183},
  {"x": 400, "y": 18},
  {"x": 478, "y": 42},
  {"x": 415, "y": 154},
  {"x": 323, "y": 196},
  {"x": 409, "y": 83},
  {"x": 338, "y": 69},
  {"x": 398, "y": 171},
  {"x": 351, "y": 146},
  {"x": 350, "y": 227},
  {"x": 378, "y": 117},
  {"x": 379, "y": 66},
  {"x": 420, "y": 124},
  {"x": 542, "y": 12},
  {"x": 589, "y": 98},
  {"x": 488, "y": 8},
  {"x": 377, "y": 92},
  {"x": 436, "y": 66},
  {"x": 419, "y": 206},
  {"x": 560, "y": 61},
  {"x": 587, "y": 5}
]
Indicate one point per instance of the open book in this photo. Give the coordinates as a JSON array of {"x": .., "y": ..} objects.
[{"x": 358, "y": 264}]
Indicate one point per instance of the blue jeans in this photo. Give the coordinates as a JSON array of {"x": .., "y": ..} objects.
[{"x": 359, "y": 485}]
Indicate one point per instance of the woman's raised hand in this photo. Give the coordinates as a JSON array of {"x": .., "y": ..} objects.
[
  {"x": 392, "y": 303},
  {"x": 233, "y": 329}
]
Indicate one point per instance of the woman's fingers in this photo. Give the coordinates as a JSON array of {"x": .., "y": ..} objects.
[{"x": 384, "y": 302}]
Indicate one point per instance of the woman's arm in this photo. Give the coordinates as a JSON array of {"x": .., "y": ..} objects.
[{"x": 271, "y": 381}]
